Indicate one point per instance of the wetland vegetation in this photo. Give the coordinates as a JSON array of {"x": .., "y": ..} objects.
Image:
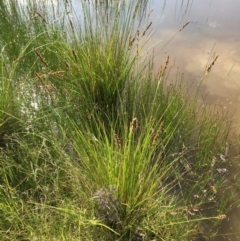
[{"x": 94, "y": 144}]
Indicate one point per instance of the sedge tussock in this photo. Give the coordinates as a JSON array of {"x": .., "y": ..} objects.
[{"x": 154, "y": 175}]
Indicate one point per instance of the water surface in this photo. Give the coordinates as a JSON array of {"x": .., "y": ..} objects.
[{"x": 213, "y": 30}]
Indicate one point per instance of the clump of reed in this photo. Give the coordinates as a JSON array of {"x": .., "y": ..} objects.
[
  {"x": 98, "y": 146},
  {"x": 103, "y": 60}
]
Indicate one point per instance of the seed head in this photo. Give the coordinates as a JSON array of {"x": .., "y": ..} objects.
[
  {"x": 117, "y": 141},
  {"x": 211, "y": 65},
  {"x": 185, "y": 25},
  {"x": 41, "y": 58},
  {"x": 41, "y": 16},
  {"x": 158, "y": 134},
  {"x": 144, "y": 32},
  {"x": 134, "y": 125}
]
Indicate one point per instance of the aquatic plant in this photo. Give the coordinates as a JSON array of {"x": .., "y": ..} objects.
[{"x": 94, "y": 144}]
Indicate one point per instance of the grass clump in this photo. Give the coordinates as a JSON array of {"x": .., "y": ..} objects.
[{"x": 94, "y": 144}]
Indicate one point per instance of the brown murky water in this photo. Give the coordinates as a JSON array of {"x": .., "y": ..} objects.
[{"x": 214, "y": 30}]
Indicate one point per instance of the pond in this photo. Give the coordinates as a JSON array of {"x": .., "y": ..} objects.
[{"x": 213, "y": 30}]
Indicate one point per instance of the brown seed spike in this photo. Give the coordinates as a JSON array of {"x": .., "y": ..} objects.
[
  {"x": 159, "y": 132},
  {"x": 138, "y": 34},
  {"x": 41, "y": 58},
  {"x": 211, "y": 65},
  {"x": 74, "y": 54},
  {"x": 150, "y": 13},
  {"x": 166, "y": 63},
  {"x": 42, "y": 82},
  {"x": 185, "y": 25},
  {"x": 134, "y": 125},
  {"x": 117, "y": 141},
  {"x": 160, "y": 72},
  {"x": 71, "y": 24},
  {"x": 58, "y": 74},
  {"x": 137, "y": 53},
  {"x": 40, "y": 78},
  {"x": 67, "y": 64},
  {"x": 40, "y": 15},
  {"x": 149, "y": 25},
  {"x": 162, "y": 69},
  {"x": 132, "y": 41},
  {"x": 135, "y": 10}
]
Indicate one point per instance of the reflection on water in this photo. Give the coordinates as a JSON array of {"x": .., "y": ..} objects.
[{"x": 214, "y": 28}]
